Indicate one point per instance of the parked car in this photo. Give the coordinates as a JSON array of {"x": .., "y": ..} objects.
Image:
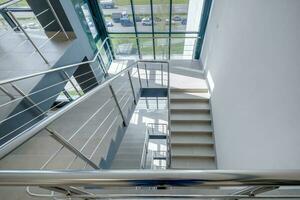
[
  {"x": 184, "y": 21},
  {"x": 176, "y": 18},
  {"x": 138, "y": 19},
  {"x": 146, "y": 21},
  {"x": 167, "y": 22},
  {"x": 116, "y": 17},
  {"x": 156, "y": 19},
  {"x": 107, "y": 4},
  {"x": 126, "y": 22},
  {"x": 109, "y": 24}
]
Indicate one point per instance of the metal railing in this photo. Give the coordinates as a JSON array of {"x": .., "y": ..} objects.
[
  {"x": 16, "y": 95},
  {"x": 155, "y": 131},
  {"x": 35, "y": 24},
  {"x": 263, "y": 180}
]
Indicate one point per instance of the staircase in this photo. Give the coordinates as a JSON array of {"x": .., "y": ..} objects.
[{"x": 192, "y": 141}]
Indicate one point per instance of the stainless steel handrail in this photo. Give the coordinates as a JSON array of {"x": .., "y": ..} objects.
[{"x": 132, "y": 178}]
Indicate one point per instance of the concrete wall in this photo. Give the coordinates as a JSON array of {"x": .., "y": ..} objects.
[{"x": 251, "y": 56}]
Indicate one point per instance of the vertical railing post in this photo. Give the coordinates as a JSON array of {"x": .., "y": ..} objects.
[
  {"x": 27, "y": 36},
  {"x": 102, "y": 64},
  {"x": 161, "y": 74},
  {"x": 7, "y": 93},
  {"x": 118, "y": 105},
  {"x": 72, "y": 83},
  {"x": 138, "y": 71},
  {"x": 57, "y": 19},
  {"x": 132, "y": 88},
  {"x": 169, "y": 113},
  {"x": 146, "y": 73},
  {"x": 71, "y": 148},
  {"x": 27, "y": 98}
]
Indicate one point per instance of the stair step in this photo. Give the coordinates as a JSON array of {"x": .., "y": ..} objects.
[
  {"x": 194, "y": 163},
  {"x": 185, "y": 96},
  {"x": 192, "y": 151},
  {"x": 182, "y": 115},
  {"x": 199, "y": 90},
  {"x": 190, "y": 106},
  {"x": 191, "y": 127},
  {"x": 191, "y": 138}
]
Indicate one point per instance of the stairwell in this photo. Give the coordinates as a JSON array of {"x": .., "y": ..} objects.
[{"x": 192, "y": 141}]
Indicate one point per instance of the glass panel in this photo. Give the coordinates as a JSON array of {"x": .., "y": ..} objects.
[
  {"x": 89, "y": 20},
  {"x": 124, "y": 46},
  {"x": 118, "y": 15},
  {"x": 186, "y": 15},
  {"x": 161, "y": 13},
  {"x": 142, "y": 10},
  {"x": 183, "y": 46},
  {"x": 146, "y": 46},
  {"x": 161, "y": 46}
]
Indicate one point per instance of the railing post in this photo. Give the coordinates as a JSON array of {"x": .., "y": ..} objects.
[
  {"x": 146, "y": 73},
  {"x": 102, "y": 64},
  {"x": 27, "y": 36},
  {"x": 57, "y": 19},
  {"x": 72, "y": 83},
  {"x": 70, "y": 147},
  {"x": 138, "y": 71},
  {"x": 118, "y": 105},
  {"x": 161, "y": 74},
  {"x": 27, "y": 98},
  {"x": 132, "y": 88},
  {"x": 7, "y": 93}
]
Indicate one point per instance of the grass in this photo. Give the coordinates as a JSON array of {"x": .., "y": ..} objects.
[{"x": 22, "y": 3}]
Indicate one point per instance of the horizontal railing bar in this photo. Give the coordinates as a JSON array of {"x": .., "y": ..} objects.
[
  {"x": 181, "y": 196},
  {"x": 150, "y": 33},
  {"x": 8, "y": 134},
  {"x": 127, "y": 178},
  {"x": 48, "y": 24},
  {"x": 45, "y": 88},
  {"x": 42, "y": 12},
  {"x": 52, "y": 70},
  {"x": 77, "y": 131}
]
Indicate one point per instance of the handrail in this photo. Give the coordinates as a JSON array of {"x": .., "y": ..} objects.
[
  {"x": 30, "y": 132},
  {"x": 133, "y": 178},
  {"x": 56, "y": 69}
]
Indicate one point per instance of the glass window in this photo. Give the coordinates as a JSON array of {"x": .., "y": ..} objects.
[
  {"x": 161, "y": 46},
  {"x": 125, "y": 46},
  {"x": 186, "y": 15},
  {"x": 117, "y": 15},
  {"x": 146, "y": 46},
  {"x": 142, "y": 10},
  {"x": 182, "y": 19},
  {"x": 161, "y": 13},
  {"x": 89, "y": 20}
]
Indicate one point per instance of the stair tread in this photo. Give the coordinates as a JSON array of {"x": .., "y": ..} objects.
[
  {"x": 194, "y": 163},
  {"x": 192, "y": 151},
  {"x": 190, "y": 127},
  {"x": 190, "y": 116},
  {"x": 199, "y": 90},
  {"x": 189, "y": 96},
  {"x": 189, "y": 106}
]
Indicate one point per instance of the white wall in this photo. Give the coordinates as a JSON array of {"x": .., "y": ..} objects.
[{"x": 252, "y": 52}]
